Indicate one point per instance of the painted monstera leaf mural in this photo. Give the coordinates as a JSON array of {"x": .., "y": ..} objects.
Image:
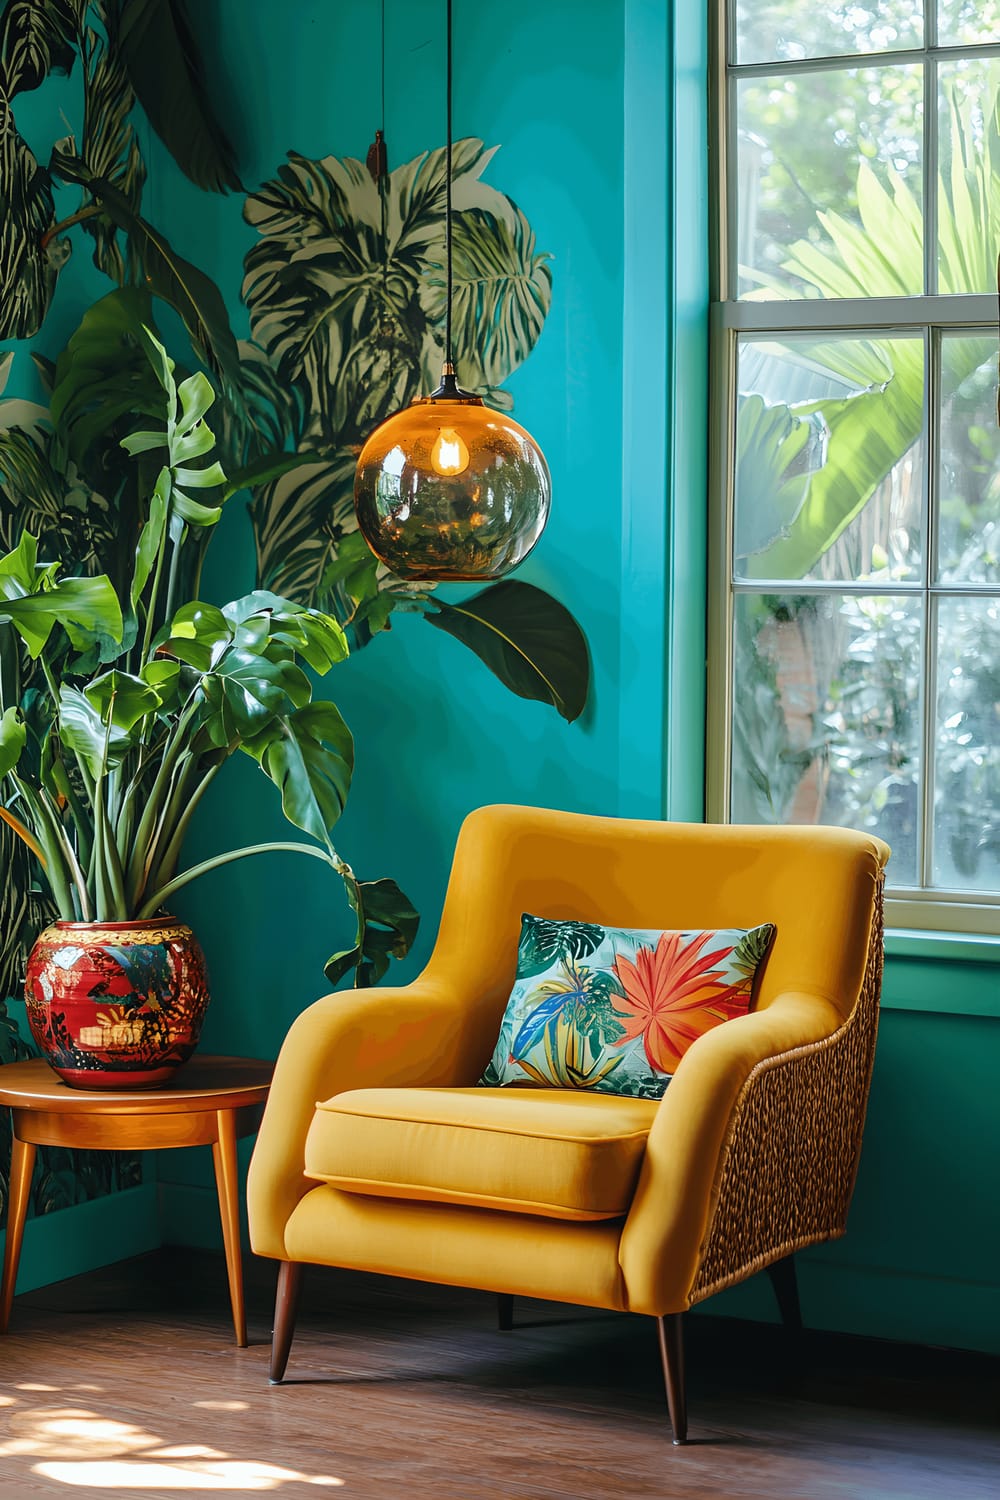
[
  {"x": 126, "y": 48},
  {"x": 346, "y": 293}
]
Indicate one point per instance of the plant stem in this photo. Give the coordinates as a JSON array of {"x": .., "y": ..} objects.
[
  {"x": 175, "y": 556},
  {"x": 147, "y": 634},
  {"x": 165, "y": 866},
  {"x": 88, "y": 211},
  {"x": 217, "y": 860},
  {"x": 135, "y": 874}
]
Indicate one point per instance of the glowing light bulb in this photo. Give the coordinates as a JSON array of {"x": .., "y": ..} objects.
[{"x": 449, "y": 454}]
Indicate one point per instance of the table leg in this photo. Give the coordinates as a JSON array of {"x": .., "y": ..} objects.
[
  {"x": 22, "y": 1161},
  {"x": 227, "y": 1186}
]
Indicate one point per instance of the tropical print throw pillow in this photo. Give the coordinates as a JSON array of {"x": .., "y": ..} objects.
[{"x": 614, "y": 1009}]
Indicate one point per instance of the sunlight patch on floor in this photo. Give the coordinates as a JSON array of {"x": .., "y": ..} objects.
[
  {"x": 90, "y": 1450},
  {"x": 227, "y": 1474}
]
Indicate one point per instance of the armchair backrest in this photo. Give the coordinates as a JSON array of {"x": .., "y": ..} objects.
[{"x": 818, "y": 885}]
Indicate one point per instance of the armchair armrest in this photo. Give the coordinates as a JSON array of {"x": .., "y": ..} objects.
[
  {"x": 417, "y": 1034},
  {"x": 755, "y": 1147}
]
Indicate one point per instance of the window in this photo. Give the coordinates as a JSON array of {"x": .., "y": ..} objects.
[{"x": 855, "y": 632}]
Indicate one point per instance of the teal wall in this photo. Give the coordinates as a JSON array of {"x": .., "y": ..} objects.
[
  {"x": 436, "y": 735},
  {"x": 581, "y": 95}
]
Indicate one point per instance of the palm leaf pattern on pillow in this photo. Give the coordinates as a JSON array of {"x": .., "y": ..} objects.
[
  {"x": 568, "y": 1058},
  {"x": 544, "y": 942},
  {"x": 582, "y": 995}
]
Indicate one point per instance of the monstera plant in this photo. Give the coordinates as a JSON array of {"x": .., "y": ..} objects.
[
  {"x": 143, "y": 698},
  {"x": 345, "y": 292},
  {"x": 145, "y": 695}
]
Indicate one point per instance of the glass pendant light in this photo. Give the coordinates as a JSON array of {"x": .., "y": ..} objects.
[{"x": 449, "y": 488}]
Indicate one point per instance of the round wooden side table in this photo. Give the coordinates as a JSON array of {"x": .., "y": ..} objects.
[{"x": 210, "y": 1101}]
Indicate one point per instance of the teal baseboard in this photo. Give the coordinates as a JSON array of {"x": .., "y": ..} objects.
[
  {"x": 189, "y": 1216},
  {"x": 877, "y": 1302},
  {"x": 64, "y": 1244},
  {"x": 836, "y": 1297}
]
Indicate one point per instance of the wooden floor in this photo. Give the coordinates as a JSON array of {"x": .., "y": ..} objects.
[{"x": 127, "y": 1382}]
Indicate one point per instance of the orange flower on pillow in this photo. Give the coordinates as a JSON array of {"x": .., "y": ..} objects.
[{"x": 673, "y": 995}]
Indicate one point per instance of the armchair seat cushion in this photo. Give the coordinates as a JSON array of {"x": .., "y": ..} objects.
[{"x": 558, "y": 1153}]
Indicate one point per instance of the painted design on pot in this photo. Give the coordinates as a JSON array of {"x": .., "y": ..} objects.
[{"x": 116, "y": 1004}]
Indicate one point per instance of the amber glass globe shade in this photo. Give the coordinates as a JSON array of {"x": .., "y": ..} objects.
[{"x": 449, "y": 488}]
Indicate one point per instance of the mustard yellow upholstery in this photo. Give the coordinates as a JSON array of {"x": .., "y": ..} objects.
[
  {"x": 377, "y": 1152},
  {"x": 561, "y": 1154}
]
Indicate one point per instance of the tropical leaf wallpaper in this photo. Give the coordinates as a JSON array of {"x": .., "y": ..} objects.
[
  {"x": 346, "y": 291},
  {"x": 345, "y": 295}
]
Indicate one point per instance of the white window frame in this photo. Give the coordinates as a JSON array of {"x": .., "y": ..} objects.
[{"x": 922, "y": 908}]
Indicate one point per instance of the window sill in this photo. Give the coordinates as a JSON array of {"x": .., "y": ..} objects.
[
  {"x": 928, "y": 987},
  {"x": 960, "y": 947}
]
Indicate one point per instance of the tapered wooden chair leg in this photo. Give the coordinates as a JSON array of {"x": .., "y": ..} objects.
[
  {"x": 22, "y": 1164},
  {"x": 786, "y": 1290},
  {"x": 670, "y": 1329},
  {"x": 285, "y": 1307},
  {"x": 505, "y": 1311}
]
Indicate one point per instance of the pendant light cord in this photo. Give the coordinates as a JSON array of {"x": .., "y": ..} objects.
[
  {"x": 447, "y": 212},
  {"x": 382, "y": 73}
]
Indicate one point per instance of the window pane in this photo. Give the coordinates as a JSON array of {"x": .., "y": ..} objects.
[
  {"x": 969, "y": 475},
  {"x": 826, "y": 715},
  {"x": 967, "y": 789},
  {"x": 969, "y": 194},
  {"x": 844, "y": 144},
  {"x": 829, "y": 458},
  {"x": 780, "y": 29},
  {"x": 968, "y": 21}
]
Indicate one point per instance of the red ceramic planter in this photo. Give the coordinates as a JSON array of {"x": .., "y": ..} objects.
[{"x": 116, "y": 1004}]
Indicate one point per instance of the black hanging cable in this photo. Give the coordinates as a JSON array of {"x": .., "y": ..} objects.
[
  {"x": 447, "y": 211},
  {"x": 382, "y": 112},
  {"x": 376, "y": 160}
]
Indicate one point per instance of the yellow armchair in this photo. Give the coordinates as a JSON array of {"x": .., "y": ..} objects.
[{"x": 379, "y": 1152}]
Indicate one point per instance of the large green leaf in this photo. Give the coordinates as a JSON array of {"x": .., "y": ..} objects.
[
  {"x": 387, "y": 926},
  {"x": 309, "y": 755},
  {"x": 254, "y": 689},
  {"x": 164, "y": 69},
  {"x": 198, "y": 634},
  {"x": 86, "y": 608},
  {"x": 151, "y": 536},
  {"x": 12, "y": 739},
  {"x": 104, "y": 376},
  {"x": 193, "y": 295},
  {"x": 121, "y": 699},
  {"x": 526, "y": 638},
  {"x": 99, "y": 745},
  {"x": 309, "y": 633}
]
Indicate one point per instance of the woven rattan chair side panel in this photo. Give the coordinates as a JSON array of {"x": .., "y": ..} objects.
[{"x": 788, "y": 1166}]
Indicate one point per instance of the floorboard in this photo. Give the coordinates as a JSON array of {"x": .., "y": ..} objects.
[{"x": 127, "y": 1382}]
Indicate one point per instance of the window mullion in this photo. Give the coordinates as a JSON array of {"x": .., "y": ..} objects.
[
  {"x": 931, "y": 158},
  {"x": 928, "y": 690}
]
